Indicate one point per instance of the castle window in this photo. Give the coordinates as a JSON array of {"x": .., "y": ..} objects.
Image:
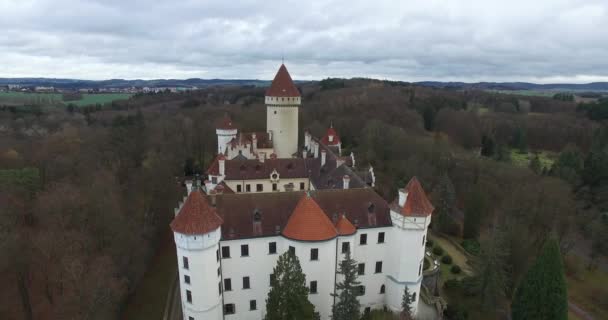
[
  {"x": 363, "y": 239},
  {"x": 378, "y": 266},
  {"x": 253, "y": 305},
  {"x": 247, "y": 188},
  {"x": 229, "y": 308},
  {"x": 314, "y": 254},
  {"x": 227, "y": 284},
  {"x": 367, "y": 310},
  {"x": 219, "y": 286},
  {"x": 190, "y": 318},
  {"x": 214, "y": 180},
  {"x": 420, "y": 268},
  {"x": 414, "y": 297},
  {"x": 381, "y": 237},
  {"x": 186, "y": 279},
  {"x": 244, "y": 250},
  {"x": 217, "y": 255},
  {"x": 275, "y": 112},
  {"x": 292, "y": 250},
  {"x": 423, "y": 238},
  {"x": 361, "y": 269},
  {"x": 382, "y": 289},
  {"x": 272, "y": 248},
  {"x": 188, "y": 296},
  {"x": 272, "y": 278},
  {"x": 313, "y": 287},
  {"x": 225, "y": 252},
  {"x": 302, "y": 185},
  {"x": 246, "y": 283},
  {"x": 345, "y": 247},
  {"x": 274, "y": 187},
  {"x": 185, "y": 262},
  {"x": 259, "y": 187},
  {"x": 239, "y": 188}
]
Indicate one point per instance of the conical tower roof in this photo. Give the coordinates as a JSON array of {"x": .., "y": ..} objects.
[
  {"x": 196, "y": 216},
  {"x": 416, "y": 202},
  {"x": 282, "y": 85},
  {"x": 344, "y": 226},
  {"x": 308, "y": 222}
]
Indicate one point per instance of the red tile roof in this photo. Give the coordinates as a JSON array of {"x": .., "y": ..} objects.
[
  {"x": 331, "y": 132},
  {"x": 308, "y": 222},
  {"x": 344, "y": 226},
  {"x": 416, "y": 202},
  {"x": 282, "y": 85},
  {"x": 196, "y": 216},
  {"x": 225, "y": 123}
]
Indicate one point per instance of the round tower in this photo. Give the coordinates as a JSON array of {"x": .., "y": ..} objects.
[
  {"x": 411, "y": 217},
  {"x": 197, "y": 233},
  {"x": 226, "y": 131},
  {"x": 282, "y": 107}
]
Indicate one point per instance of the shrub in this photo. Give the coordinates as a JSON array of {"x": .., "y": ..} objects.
[
  {"x": 456, "y": 312},
  {"x": 471, "y": 246},
  {"x": 427, "y": 264},
  {"x": 437, "y": 250},
  {"x": 429, "y": 243},
  {"x": 452, "y": 284},
  {"x": 447, "y": 259},
  {"x": 455, "y": 269}
]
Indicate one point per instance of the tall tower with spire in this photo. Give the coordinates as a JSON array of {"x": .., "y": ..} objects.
[{"x": 282, "y": 107}]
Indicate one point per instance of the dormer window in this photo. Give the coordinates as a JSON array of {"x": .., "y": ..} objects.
[
  {"x": 371, "y": 208},
  {"x": 257, "y": 216}
]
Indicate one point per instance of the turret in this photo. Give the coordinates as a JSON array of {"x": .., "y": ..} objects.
[
  {"x": 197, "y": 233},
  {"x": 282, "y": 107},
  {"x": 226, "y": 131},
  {"x": 411, "y": 215}
]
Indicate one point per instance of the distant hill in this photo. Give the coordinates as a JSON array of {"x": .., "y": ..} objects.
[
  {"x": 121, "y": 83},
  {"x": 200, "y": 83},
  {"x": 594, "y": 86}
]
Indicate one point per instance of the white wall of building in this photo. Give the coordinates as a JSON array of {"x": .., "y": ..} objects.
[
  {"x": 200, "y": 250},
  {"x": 223, "y": 137},
  {"x": 266, "y": 184}
]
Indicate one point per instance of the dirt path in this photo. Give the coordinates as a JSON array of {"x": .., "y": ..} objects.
[
  {"x": 458, "y": 257},
  {"x": 579, "y": 312}
]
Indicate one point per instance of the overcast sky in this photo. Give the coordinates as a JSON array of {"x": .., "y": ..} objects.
[{"x": 412, "y": 40}]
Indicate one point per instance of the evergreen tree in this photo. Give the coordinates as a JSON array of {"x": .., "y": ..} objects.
[
  {"x": 406, "y": 308},
  {"x": 446, "y": 198},
  {"x": 535, "y": 165},
  {"x": 542, "y": 294},
  {"x": 348, "y": 305},
  {"x": 487, "y": 146},
  {"x": 473, "y": 211},
  {"x": 492, "y": 271},
  {"x": 288, "y": 295},
  {"x": 520, "y": 141}
]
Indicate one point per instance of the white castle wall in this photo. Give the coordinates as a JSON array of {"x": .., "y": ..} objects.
[
  {"x": 223, "y": 137},
  {"x": 202, "y": 270}
]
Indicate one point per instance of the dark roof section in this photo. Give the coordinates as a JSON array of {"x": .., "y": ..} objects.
[
  {"x": 237, "y": 169},
  {"x": 308, "y": 222},
  {"x": 416, "y": 203},
  {"x": 282, "y": 85},
  {"x": 196, "y": 216},
  {"x": 275, "y": 209}
]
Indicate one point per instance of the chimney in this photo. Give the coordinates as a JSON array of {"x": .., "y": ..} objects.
[
  {"x": 330, "y": 138},
  {"x": 304, "y": 153},
  {"x": 323, "y": 157},
  {"x": 269, "y": 135},
  {"x": 261, "y": 157},
  {"x": 346, "y": 181},
  {"x": 189, "y": 186},
  {"x": 316, "y": 149},
  {"x": 402, "y": 197},
  {"x": 222, "y": 163},
  {"x": 254, "y": 142},
  {"x": 307, "y": 139}
]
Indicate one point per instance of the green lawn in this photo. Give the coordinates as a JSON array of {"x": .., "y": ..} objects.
[
  {"x": 101, "y": 98},
  {"x": 523, "y": 159}
]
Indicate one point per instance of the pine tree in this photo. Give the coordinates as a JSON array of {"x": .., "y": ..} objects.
[
  {"x": 348, "y": 305},
  {"x": 406, "y": 308},
  {"x": 445, "y": 204},
  {"x": 492, "y": 272},
  {"x": 288, "y": 295},
  {"x": 542, "y": 294}
]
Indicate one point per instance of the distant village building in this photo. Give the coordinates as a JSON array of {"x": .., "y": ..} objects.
[{"x": 264, "y": 195}]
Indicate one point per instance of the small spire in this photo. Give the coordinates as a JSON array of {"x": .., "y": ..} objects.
[{"x": 331, "y": 124}]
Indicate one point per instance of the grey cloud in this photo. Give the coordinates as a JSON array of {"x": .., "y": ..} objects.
[{"x": 460, "y": 40}]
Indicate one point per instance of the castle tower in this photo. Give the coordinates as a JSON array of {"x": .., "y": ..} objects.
[
  {"x": 411, "y": 216},
  {"x": 226, "y": 131},
  {"x": 197, "y": 233},
  {"x": 282, "y": 107}
]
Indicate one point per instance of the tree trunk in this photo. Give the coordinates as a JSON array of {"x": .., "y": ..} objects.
[{"x": 22, "y": 283}]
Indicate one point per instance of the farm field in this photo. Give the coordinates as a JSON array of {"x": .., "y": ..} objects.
[{"x": 28, "y": 99}]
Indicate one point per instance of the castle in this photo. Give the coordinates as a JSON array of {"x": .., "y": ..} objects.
[{"x": 264, "y": 196}]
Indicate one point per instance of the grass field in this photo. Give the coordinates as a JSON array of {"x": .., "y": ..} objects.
[
  {"x": 28, "y": 99},
  {"x": 523, "y": 159}
]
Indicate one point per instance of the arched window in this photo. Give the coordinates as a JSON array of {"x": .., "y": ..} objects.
[
  {"x": 414, "y": 297},
  {"x": 382, "y": 289}
]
